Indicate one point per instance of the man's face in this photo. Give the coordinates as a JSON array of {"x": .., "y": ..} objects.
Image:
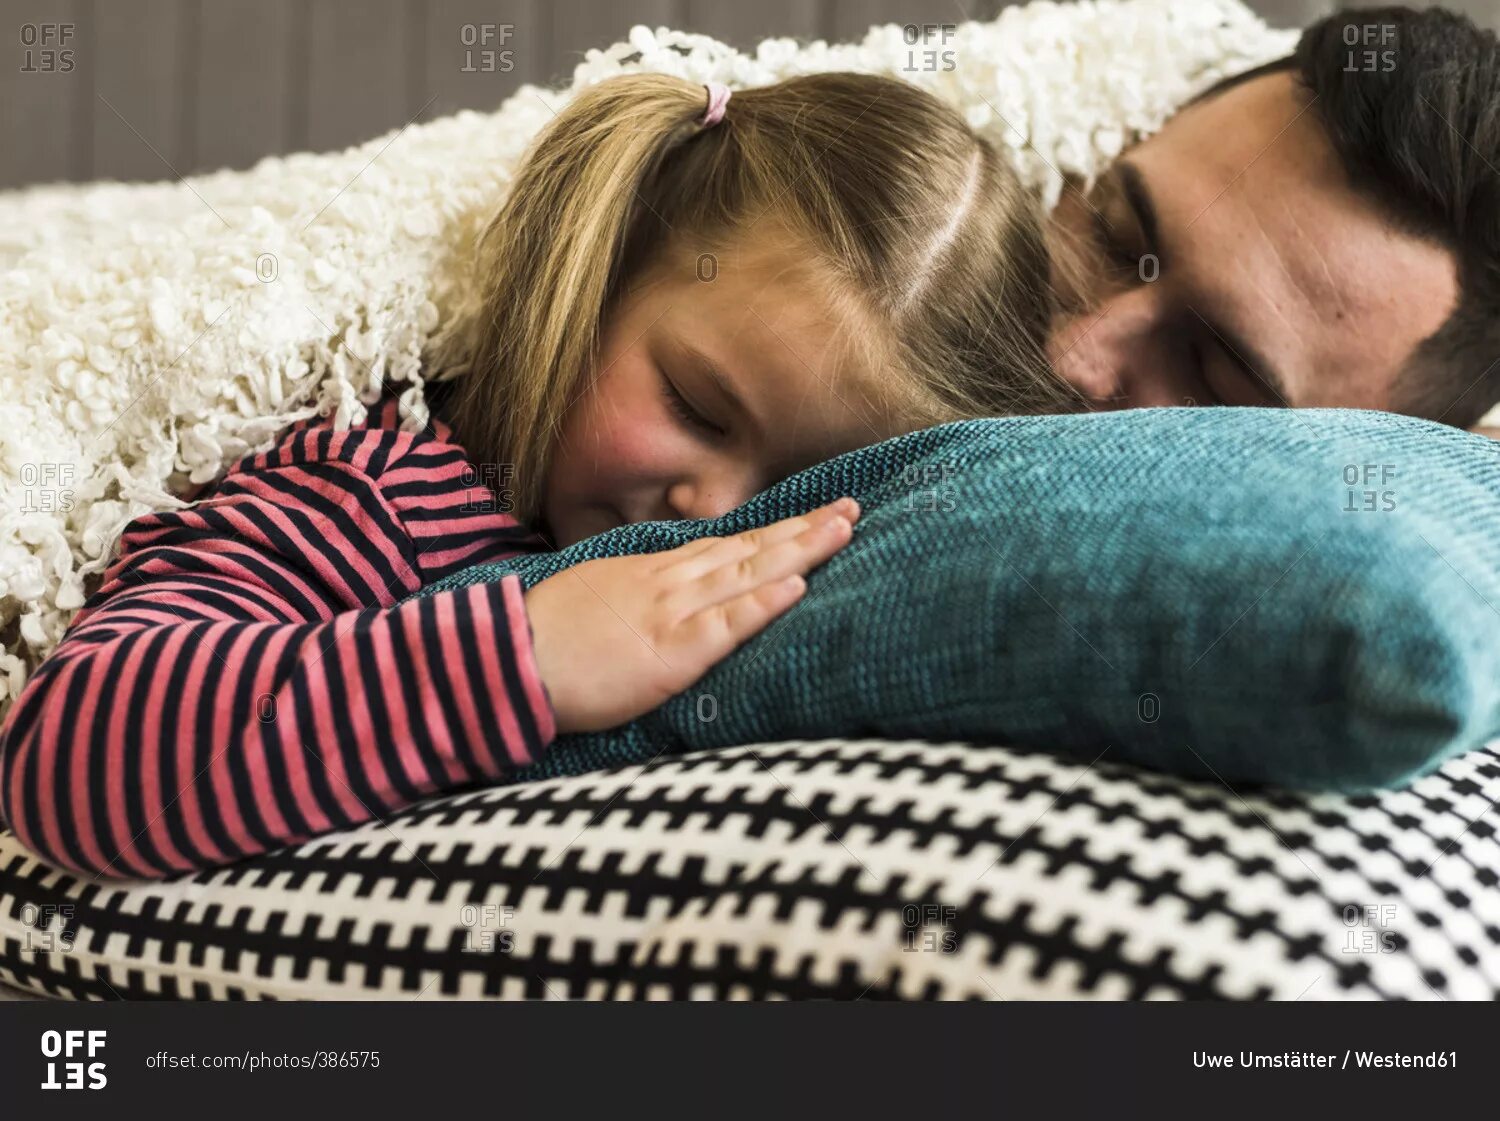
[{"x": 1226, "y": 260}]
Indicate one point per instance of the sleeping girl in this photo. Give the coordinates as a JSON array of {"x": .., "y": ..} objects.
[{"x": 686, "y": 298}]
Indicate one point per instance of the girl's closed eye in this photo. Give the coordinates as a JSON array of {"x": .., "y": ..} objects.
[{"x": 684, "y": 410}]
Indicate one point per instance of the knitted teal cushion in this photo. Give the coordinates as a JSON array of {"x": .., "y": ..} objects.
[{"x": 1305, "y": 598}]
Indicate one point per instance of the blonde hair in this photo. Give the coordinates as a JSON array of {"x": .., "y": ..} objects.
[{"x": 918, "y": 223}]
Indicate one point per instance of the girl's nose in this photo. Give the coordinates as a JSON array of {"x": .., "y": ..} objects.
[{"x": 709, "y": 496}]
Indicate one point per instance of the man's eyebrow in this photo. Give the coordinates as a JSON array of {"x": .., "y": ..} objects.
[{"x": 1138, "y": 195}]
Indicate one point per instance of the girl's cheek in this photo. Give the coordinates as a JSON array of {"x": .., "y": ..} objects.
[{"x": 631, "y": 442}]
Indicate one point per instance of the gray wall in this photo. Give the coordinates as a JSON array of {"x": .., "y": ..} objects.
[{"x": 160, "y": 88}]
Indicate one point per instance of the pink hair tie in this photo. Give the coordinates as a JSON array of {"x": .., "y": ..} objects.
[{"x": 718, "y": 97}]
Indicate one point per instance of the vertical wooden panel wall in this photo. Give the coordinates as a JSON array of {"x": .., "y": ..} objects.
[{"x": 165, "y": 87}]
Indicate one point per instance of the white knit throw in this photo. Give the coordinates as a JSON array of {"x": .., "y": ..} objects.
[{"x": 151, "y": 334}]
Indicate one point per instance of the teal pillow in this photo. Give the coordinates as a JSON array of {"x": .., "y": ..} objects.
[{"x": 1306, "y": 598}]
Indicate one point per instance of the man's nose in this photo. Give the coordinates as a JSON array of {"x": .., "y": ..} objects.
[{"x": 1124, "y": 353}]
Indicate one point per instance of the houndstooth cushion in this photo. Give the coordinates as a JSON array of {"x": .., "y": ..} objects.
[{"x": 834, "y": 868}]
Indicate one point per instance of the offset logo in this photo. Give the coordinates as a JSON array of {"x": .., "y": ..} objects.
[
  {"x": 47, "y": 50},
  {"x": 68, "y": 1054}
]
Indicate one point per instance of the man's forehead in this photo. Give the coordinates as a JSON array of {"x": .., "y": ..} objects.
[
  {"x": 1249, "y": 182},
  {"x": 1231, "y": 146},
  {"x": 1286, "y": 233}
]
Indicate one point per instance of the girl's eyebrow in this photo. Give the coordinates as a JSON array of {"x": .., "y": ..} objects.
[{"x": 717, "y": 377}]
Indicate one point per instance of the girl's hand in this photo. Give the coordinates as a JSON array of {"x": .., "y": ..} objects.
[{"x": 616, "y": 637}]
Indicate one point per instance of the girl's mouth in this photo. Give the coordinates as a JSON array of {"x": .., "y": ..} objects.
[{"x": 609, "y": 517}]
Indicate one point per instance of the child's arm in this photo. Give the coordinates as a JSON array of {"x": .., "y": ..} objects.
[{"x": 245, "y": 679}]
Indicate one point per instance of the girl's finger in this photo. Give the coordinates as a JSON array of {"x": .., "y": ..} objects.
[
  {"x": 717, "y": 630},
  {"x": 684, "y": 552},
  {"x": 735, "y": 577},
  {"x": 719, "y": 551}
]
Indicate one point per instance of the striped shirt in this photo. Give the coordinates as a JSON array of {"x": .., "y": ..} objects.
[{"x": 246, "y": 677}]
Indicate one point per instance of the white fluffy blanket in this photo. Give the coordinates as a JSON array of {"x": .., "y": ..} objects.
[{"x": 151, "y": 334}]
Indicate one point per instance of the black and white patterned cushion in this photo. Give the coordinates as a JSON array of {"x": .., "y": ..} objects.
[{"x": 836, "y": 868}]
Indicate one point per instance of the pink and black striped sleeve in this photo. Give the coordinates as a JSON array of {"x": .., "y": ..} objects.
[{"x": 245, "y": 677}]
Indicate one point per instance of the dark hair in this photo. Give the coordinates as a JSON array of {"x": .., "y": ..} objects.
[{"x": 1416, "y": 125}]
